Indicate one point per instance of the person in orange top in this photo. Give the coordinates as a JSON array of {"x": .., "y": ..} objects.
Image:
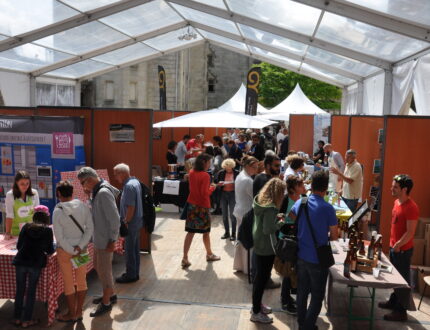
[
  {"x": 198, "y": 216},
  {"x": 403, "y": 225},
  {"x": 195, "y": 146}
]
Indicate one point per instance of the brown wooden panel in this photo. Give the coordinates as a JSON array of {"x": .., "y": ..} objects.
[
  {"x": 17, "y": 111},
  {"x": 160, "y": 146},
  {"x": 364, "y": 140},
  {"x": 73, "y": 112},
  {"x": 302, "y": 133},
  {"x": 339, "y": 133},
  {"x": 406, "y": 144},
  {"x": 136, "y": 154}
]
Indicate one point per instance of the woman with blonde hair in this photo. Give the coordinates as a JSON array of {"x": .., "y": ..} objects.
[
  {"x": 266, "y": 208},
  {"x": 225, "y": 181}
]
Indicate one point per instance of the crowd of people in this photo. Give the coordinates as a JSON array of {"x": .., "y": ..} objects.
[{"x": 252, "y": 177}]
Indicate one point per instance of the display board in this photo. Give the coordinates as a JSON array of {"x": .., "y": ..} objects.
[
  {"x": 302, "y": 133},
  {"x": 44, "y": 147},
  {"x": 339, "y": 133},
  {"x": 322, "y": 124}
]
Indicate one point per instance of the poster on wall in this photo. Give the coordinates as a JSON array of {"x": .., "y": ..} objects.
[
  {"x": 121, "y": 133},
  {"x": 321, "y": 128},
  {"x": 42, "y": 146}
]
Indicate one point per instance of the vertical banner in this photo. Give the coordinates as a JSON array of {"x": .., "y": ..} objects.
[
  {"x": 162, "y": 87},
  {"x": 252, "y": 84},
  {"x": 321, "y": 128}
]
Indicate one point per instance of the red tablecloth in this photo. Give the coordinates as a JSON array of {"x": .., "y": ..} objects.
[{"x": 50, "y": 285}]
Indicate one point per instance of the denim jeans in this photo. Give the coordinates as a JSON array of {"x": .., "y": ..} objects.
[
  {"x": 264, "y": 266},
  {"x": 228, "y": 202},
  {"x": 25, "y": 313},
  {"x": 312, "y": 279},
  {"x": 402, "y": 261},
  {"x": 132, "y": 253},
  {"x": 351, "y": 203}
]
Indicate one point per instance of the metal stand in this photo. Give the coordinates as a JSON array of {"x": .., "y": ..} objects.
[{"x": 352, "y": 317}]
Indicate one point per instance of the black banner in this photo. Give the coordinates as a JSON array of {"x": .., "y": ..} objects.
[
  {"x": 252, "y": 84},
  {"x": 162, "y": 87}
]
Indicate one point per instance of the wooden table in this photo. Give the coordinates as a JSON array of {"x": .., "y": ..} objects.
[
  {"x": 384, "y": 281},
  {"x": 50, "y": 285}
]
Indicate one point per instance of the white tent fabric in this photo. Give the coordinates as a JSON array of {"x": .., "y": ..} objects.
[
  {"x": 238, "y": 101},
  {"x": 215, "y": 118},
  {"x": 295, "y": 103}
]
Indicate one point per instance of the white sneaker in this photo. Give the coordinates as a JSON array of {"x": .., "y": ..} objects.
[
  {"x": 265, "y": 309},
  {"x": 261, "y": 318}
]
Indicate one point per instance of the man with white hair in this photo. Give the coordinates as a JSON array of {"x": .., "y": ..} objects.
[
  {"x": 131, "y": 213},
  {"x": 352, "y": 180},
  {"x": 106, "y": 232}
]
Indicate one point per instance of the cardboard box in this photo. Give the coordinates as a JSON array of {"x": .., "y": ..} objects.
[
  {"x": 421, "y": 227},
  {"x": 423, "y": 272},
  {"x": 427, "y": 247},
  {"x": 418, "y": 255}
]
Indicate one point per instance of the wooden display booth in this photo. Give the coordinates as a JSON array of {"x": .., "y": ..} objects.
[
  {"x": 100, "y": 151},
  {"x": 301, "y": 132},
  {"x": 339, "y": 133}
]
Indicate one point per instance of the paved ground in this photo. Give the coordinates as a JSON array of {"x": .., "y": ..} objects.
[{"x": 207, "y": 296}]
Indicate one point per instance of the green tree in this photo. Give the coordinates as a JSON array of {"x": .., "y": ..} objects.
[{"x": 277, "y": 83}]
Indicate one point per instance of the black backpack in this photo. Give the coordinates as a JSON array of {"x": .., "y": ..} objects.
[
  {"x": 148, "y": 208},
  {"x": 245, "y": 230}
]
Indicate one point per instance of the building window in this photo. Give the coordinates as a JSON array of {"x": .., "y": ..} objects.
[
  {"x": 109, "y": 90},
  {"x": 132, "y": 92},
  {"x": 210, "y": 60},
  {"x": 211, "y": 85}
]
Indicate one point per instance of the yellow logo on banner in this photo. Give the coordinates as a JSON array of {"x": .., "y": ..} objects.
[
  {"x": 161, "y": 78},
  {"x": 254, "y": 80}
]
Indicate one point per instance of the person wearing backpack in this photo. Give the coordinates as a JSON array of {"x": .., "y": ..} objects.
[
  {"x": 131, "y": 213},
  {"x": 266, "y": 208},
  {"x": 35, "y": 243},
  {"x": 73, "y": 229},
  {"x": 106, "y": 232}
]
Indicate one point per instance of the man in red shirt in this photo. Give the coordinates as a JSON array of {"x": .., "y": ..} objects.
[
  {"x": 404, "y": 221},
  {"x": 194, "y": 146}
]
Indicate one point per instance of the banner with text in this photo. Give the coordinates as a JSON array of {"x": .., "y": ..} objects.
[{"x": 252, "y": 84}]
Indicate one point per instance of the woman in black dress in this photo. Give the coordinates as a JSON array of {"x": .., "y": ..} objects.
[{"x": 171, "y": 157}]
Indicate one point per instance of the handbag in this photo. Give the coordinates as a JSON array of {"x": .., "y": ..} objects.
[{"x": 324, "y": 252}]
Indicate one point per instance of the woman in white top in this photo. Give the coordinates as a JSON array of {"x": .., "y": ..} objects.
[
  {"x": 244, "y": 198},
  {"x": 73, "y": 229},
  {"x": 20, "y": 203}
]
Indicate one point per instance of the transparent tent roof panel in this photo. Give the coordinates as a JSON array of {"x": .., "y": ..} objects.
[
  {"x": 126, "y": 54},
  {"x": 30, "y": 57},
  {"x": 171, "y": 40},
  {"x": 144, "y": 18},
  {"x": 207, "y": 19},
  {"x": 367, "y": 39},
  {"x": 273, "y": 40},
  {"x": 325, "y": 73},
  {"x": 276, "y": 57},
  {"x": 213, "y": 3},
  {"x": 414, "y": 11},
  {"x": 86, "y": 5},
  {"x": 285, "y": 13},
  {"x": 80, "y": 69},
  {"x": 347, "y": 64},
  {"x": 17, "y": 17},
  {"x": 223, "y": 40},
  {"x": 83, "y": 38}
]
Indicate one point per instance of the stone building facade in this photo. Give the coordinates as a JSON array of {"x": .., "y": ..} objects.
[{"x": 197, "y": 78}]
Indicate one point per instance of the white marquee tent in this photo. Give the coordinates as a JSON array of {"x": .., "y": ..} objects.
[
  {"x": 376, "y": 51},
  {"x": 238, "y": 101},
  {"x": 215, "y": 118},
  {"x": 296, "y": 103}
]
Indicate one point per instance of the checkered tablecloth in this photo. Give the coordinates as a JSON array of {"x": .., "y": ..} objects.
[{"x": 50, "y": 285}]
